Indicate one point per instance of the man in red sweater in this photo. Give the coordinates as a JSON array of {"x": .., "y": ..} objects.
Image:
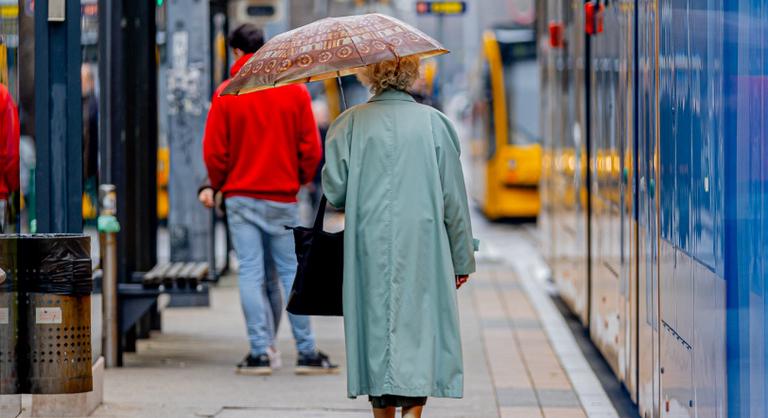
[
  {"x": 259, "y": 149},
  {"x": 9, "y": 152}
]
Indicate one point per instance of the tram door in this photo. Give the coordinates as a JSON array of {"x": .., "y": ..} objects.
[
  {"x": 648, "y": 215},
  {"x": 612, "y": 256},
  {"x": 613, "y": 193},
  {"x": 567, "y": 179},
  {"x": 624, "y": 13}
]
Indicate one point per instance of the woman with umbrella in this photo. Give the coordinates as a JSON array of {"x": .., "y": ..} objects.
[{"x": 393, "y": 165}]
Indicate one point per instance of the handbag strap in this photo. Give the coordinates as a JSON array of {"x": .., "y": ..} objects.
[{"x": 320, "y": 217}]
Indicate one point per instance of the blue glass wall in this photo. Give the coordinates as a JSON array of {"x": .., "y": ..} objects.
[
  {"x": 745, "y": 38},
  {"x": 700, "y": 136}
]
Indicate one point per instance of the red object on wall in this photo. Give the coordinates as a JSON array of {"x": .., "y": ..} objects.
[
  {"x": 593, "y": 17},
  {"x": 589, "y": 17},
  {"x": 555, "y": 34},
  {"x": 599, "y": 18}
]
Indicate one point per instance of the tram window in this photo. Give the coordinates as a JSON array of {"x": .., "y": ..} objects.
[{"x": 522, "y": 81}]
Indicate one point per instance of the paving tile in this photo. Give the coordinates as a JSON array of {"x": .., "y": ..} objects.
[
  {"x": 544, "y": 366},
  {"x": 520, "y": 412},
  {"x": 526, "y": 324},
  {"x": 488, "y": 305},
  {"x": 533, "y": 337},
  {"x": 557, "y": 398},
  {"x": 537, "y": 356},
  {"x": 490, "y": 284},
  {"x": 496, "y": 323},
  {"x": 516, "y": 397},
  {"x": 561, "y": 383},
  {"x": 546, "y": 374},
  {"x": 564, "y": 413},
  {"x": 519, "y": 382}
]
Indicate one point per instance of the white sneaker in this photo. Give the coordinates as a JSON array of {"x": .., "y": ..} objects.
[{"x": 275, "y": 358}]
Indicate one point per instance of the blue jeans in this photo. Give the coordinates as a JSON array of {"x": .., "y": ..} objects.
[
  {"x": 256, "y": 225},
  {"x": 273, "y": 295}
]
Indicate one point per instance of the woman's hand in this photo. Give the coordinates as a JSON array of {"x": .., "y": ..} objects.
[{"x": 460, "y": 280}]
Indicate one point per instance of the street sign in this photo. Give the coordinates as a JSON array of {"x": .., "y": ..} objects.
[{"x": 441, "y": 8}]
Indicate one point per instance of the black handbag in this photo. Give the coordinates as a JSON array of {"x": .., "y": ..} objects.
[{"x": 317, "y": 287}]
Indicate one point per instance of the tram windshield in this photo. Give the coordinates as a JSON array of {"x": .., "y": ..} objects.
[{"x": 521, "y": 80}]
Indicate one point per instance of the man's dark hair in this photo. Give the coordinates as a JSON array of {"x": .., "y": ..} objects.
[{"x": 247, "y": 37}]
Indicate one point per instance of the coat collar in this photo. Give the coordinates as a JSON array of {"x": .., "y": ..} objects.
[{"x": 392, "y": 94}]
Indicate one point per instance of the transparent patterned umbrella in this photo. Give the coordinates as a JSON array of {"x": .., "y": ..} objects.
[{"x": 331, "y": 47}]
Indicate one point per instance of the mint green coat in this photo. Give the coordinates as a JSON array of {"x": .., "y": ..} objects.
[{"x": 393, "y": 164}]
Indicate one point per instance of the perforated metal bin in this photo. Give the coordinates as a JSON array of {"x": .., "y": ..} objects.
[
  {"x": 9, "y": 377},
  {"x": 55, "y": 284},
  {"x": 9, "y": 318},
  {"x": 59, "y": 356}
]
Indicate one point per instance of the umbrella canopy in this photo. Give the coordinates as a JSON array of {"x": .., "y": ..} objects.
[{"x": 329, "y": 48}]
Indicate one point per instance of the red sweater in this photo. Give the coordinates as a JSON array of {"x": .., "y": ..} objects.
[
  {"x": 263, "y": 145},
  {"x": 9, "y": 144}
]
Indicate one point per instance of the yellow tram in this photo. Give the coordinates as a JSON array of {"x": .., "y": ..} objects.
[{"x": 506, "y": 146}]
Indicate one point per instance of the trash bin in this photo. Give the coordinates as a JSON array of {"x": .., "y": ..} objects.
[
  {"x": 55, "y": 284},
  {"x": 9, "y": 318}
]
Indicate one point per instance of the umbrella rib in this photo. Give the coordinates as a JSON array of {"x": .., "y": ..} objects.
[
  {"x": 359, "y": 55},
  {"x": 421, "y": 33}
]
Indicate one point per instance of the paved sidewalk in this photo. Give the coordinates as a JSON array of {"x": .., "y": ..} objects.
[
  {"x": 186, "y": 371},
  {"x": 529, "y": 381},
  {"x": 511, "y": 368}
]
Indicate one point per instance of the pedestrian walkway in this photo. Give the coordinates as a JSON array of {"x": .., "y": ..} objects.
[
  {"x": 512, "y": 368},
  {"x": 188, "y": 370},
  {"x": 528, "y": 378}
]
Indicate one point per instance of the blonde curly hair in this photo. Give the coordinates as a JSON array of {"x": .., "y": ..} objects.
[{"x": 391, "y": 74}]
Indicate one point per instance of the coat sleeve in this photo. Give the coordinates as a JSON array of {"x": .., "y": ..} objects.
[
  {"x": 310, "y": 150},
  {"x": 456, "y": 207},
  {"x": 216, "y": 144},
  {"x": 336, "y": 167}
]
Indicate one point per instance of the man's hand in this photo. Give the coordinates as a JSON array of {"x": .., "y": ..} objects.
[
  {"x": 206, "y": 197},
  {"x": 460, "y": 280}
]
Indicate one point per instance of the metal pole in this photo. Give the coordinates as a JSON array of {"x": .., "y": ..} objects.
[
  {"x": 109, "y": 289},
  {"x": 58, "y": 117},
  {"x": 108, "y": 229},
  {"x": 341, "y": 93},
  {"x": 110, "y": 82}
]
